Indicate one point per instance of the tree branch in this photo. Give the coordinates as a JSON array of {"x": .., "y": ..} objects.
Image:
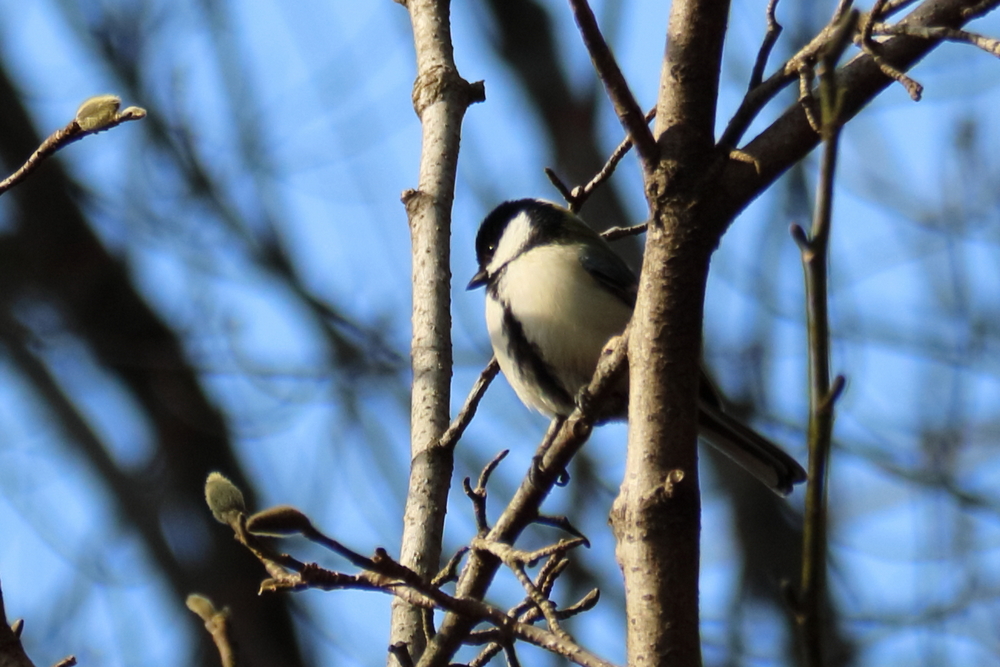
[
  {"x": 628, "y": 110},
  {"x": 790, "y": 138},
  {"x": 657, "y": 515},
  {"x": 815, "y": 262},
  {"x": 523, "y": 508},
  {"x": 440, "y": 98}
]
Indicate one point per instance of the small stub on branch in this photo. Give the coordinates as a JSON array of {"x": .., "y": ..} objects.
[{"x": 674, "y": 477}]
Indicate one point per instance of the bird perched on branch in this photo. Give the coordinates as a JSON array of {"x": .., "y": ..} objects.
[{"x": 556, "y": 293}]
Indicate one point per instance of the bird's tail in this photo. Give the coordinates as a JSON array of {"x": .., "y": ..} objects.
[{"x": 756, "y": 454}]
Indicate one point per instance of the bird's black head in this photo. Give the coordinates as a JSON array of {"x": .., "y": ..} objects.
[{"x": 534, "y": 221}]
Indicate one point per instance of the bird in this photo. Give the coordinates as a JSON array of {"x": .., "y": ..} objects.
[{"x": 556, "y": 293}]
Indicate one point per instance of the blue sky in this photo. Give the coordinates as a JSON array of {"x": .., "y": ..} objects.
[{"x": 330, "y": 88}]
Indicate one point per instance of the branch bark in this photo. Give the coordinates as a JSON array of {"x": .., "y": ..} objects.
[
  {"x": 440, "y": 98},
  {"x": 656, "y": 516}
]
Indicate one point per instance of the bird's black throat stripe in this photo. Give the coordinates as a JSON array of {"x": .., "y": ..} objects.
[{"x": 530, "y": 361}]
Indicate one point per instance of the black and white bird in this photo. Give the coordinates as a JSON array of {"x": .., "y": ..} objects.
[{"x": 556, "y": 293}]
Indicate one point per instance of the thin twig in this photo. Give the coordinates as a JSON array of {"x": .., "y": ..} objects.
[
  {"x": 282, "y": 521},
  {"x": 540, "y": 600},
  {"x": 627, "y": 109},
  {"x": 806, "y": 99},
  {"x": 478, "y": 495},
  {"x": 509, "y": 554},
  {"x": 578, "y": 196},
  {"x": 484, "y": 476},
  {"x": 478, "y": 500},
  {"x": 527, "y": 612},
  {"x": 814, "y": 250},
  {"x": 869, "y": 46},
  {"x": 553, "y": 566},
  {"x": 562, "y": 523},
  {"x": 352, "y": 556},
  {"x": 766, "y": 46},
  {"x": 516, "y": 560},
  {"x": 615, "y": 233},
  {"x": 560, "y": 185},
  {"x": 464, "y": 417},
  {"x": 511, "y": 655},
  {"x": 393, "y": 578},
  {"x": 798, "y": 67},
  {"x": 94, "y": 115},
  {"x": 487, "y": 654},
  {"x": 389, "y": 576},
  {"x": 869, "y": 20},
  {"x": 988, "y": 44},
  {"x": 581, "y": 194},
  {"x": 753, "y": 102},
  {"x": 449, "y": 572}
]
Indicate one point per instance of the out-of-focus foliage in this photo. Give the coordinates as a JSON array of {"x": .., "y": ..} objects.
[{"x": 246, "y": 310}]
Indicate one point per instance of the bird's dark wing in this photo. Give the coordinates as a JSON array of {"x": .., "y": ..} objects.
[{"x": 612, "y": 272}]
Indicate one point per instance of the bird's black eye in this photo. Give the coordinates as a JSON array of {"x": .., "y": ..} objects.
[{"x": 487, "y": 253}]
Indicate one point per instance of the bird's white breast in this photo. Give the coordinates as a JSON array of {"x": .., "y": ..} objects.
[{"x": 564, "y": 312}]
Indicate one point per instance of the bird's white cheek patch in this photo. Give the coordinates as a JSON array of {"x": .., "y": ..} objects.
[{"x": 512, "y": 242}]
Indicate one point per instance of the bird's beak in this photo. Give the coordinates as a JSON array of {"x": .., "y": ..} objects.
[{"x": 478, "y": 280}]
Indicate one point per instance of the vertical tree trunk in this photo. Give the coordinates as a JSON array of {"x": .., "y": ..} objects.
[
  {"x": 657, "y": 516},
  {"x": 440, "y": 98}
]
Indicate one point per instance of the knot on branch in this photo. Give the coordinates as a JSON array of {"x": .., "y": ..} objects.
[{"x": 442, "y": 83}]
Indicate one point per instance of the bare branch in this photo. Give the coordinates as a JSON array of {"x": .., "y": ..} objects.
[
  {"x": 988, "y": 44},
  {"x": 770, "y": 38},
  {"x": 523, "y": 508},
  {"x": 626, "y": 107},
  {"x": 562, "y": 523},
  {"x": 559, "y": 185},
  {"x": 394, "y": 579},
  {"x": 870, "y": 47},
  {"x": 464, "y": 417},
  {"x": 440, "y": 99},
  {"x": 577, "y": 197},
  {"x": 814, "y": 250},
  {"x": 449, "y": 572},
  {"x": 615, "y": 233},
  {"x": 789, "y": 138}
]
